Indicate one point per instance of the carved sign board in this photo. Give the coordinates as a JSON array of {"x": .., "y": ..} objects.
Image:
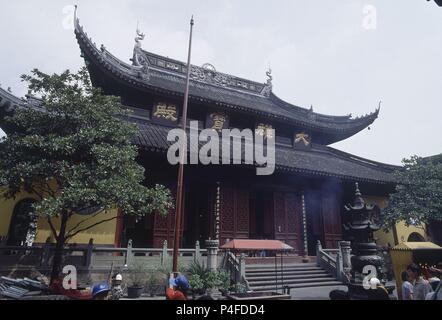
[
  {"x": 264, "y": 129},
  {"x": 217, "y": 121},
  {"x": 302, "y": 140},
  {"x": 165, "y": 113}
]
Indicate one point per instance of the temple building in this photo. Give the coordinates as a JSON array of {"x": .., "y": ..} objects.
[{"x": 300, "y": 203}]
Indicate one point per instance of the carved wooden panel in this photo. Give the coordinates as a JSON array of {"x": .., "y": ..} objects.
[
  {"x": 164, "y": 227},
  {"x": 331, "y": 214},
  {"x": 234, "y": 213},
  {"x": 287, "y": 213},
  {"x": 227, "y": 214}
]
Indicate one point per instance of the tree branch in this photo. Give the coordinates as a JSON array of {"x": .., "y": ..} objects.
[
  {"x": 51, "y": 225},
  {"x": 49, "y": 189},
  {"x": 84, "y": 220},
  {"x": 37, "y": 193},
  {"x": 91, "y": 226}
]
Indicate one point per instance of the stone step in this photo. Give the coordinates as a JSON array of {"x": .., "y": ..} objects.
[
  {"x": 288, "y": 265},
  {"x": 290, "y": 281},
  {"x": 288, "y": 277},
  {"x": 285, "y": 272},
  {"x": 298, "y": 286},
  {"x": 289, "y": 269}
]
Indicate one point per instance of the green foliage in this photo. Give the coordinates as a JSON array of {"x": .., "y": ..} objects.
[
  {"x": 196, "y": 283},
  {"x": 76, "y": 154},
  {"x": 238, "y": 288},
  {"x": 154, "y": 279},
  {"x": 196, "y": 268},
  {"x": 166, "y": 267},
  {"x": 202, "y": 279},
  {"x": 418, "y": 197},
  {"x": 137, "y": 274},
  {"x": 224, "y": 280}
]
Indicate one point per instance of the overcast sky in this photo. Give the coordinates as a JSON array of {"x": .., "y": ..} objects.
[{"x": 341, "y": 56}]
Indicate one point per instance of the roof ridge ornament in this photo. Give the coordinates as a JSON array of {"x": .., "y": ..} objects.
[
  {"x": 267, "y": 90},
  {"x": 311, "y": 114},
  {"x": 269, "y": 76},
  {"x": 76, "y": 19},
  {"x": 139, "y": 58},
  {"x": 139, "y": 37}
]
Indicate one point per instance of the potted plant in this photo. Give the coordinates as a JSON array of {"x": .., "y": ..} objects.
[
  {"x": 137, "y": 279},
  {"x": 153, "y": 281},
  {"x": 196, "y": 285},
  {"x": 223, "y": 282}
]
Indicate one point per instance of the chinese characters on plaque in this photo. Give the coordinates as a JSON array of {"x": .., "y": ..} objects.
[
  {"x": 217, "y": 121},
  {"x": 264, "y": 130},
  {"x": 302, "y": 140},
  {"x": 165, "y": 113}
]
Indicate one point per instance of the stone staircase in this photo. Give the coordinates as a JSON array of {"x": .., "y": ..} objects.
[{"x": 295, "y": 275}]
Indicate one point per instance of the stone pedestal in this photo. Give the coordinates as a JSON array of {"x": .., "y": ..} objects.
[
  {"x": 345, "y": 248},
  {"x": 212, "y": 247},
  {"x": 365, "y": 264}
]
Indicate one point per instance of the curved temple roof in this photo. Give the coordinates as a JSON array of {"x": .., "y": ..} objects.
[
  {"x": 154, "y": 73},
  {"x": 321, "y": 161}
]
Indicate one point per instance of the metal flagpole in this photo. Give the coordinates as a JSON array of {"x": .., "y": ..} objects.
[{"x": 179, "y": 197}]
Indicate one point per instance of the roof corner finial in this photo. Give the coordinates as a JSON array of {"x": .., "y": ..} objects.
[
  {"x": 358, "y": 201},
  {"x": 311, "y": 108},
  {"x": 269, "y": 76},
  {"x": 379, "y": 106},
  {"x": 139, "y": 36},
  {"x": 76, "y": 20},
  {"x": 357, "y": 192},
  {"x": 268, "y": 86}
]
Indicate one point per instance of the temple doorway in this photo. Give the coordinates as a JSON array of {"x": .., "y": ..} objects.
[{"x": 261, "y": 215}]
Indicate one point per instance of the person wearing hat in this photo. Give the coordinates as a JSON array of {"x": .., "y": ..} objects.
[
  {"x": 377, "y": 290},
  {"x": 178, "y": 287},
  {"x": 117, "y": 290},
  {"x": 100, "y": 291}
]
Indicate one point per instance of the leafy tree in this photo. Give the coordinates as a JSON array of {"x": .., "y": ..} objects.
[
  {"x": 76, "y": 155},
  {"x": 418, "y": 196}
]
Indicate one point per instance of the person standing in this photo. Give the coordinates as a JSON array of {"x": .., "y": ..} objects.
[
  {"x": 421, "y": 286},
  {"x": 407, "y": 287}
]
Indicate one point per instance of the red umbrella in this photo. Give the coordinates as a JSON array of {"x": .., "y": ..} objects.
[{"x": 249, "y": 245}]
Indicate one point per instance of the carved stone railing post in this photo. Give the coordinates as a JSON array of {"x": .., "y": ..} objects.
[
  {"x": 318, "y": 253},
  {"x": 197, "y": 256},
  {"x": 164, "y": 254},
  {"x": 129, "y": 254},
  {"x": 345, "y": 249},
  {"x": 212, "y": 254},
  {"x": 242, "y": 267},
  {"x": 339, "y": 267}
]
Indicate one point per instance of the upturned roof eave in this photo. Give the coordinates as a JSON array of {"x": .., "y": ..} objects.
[{"x": 338, "y": 128}]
